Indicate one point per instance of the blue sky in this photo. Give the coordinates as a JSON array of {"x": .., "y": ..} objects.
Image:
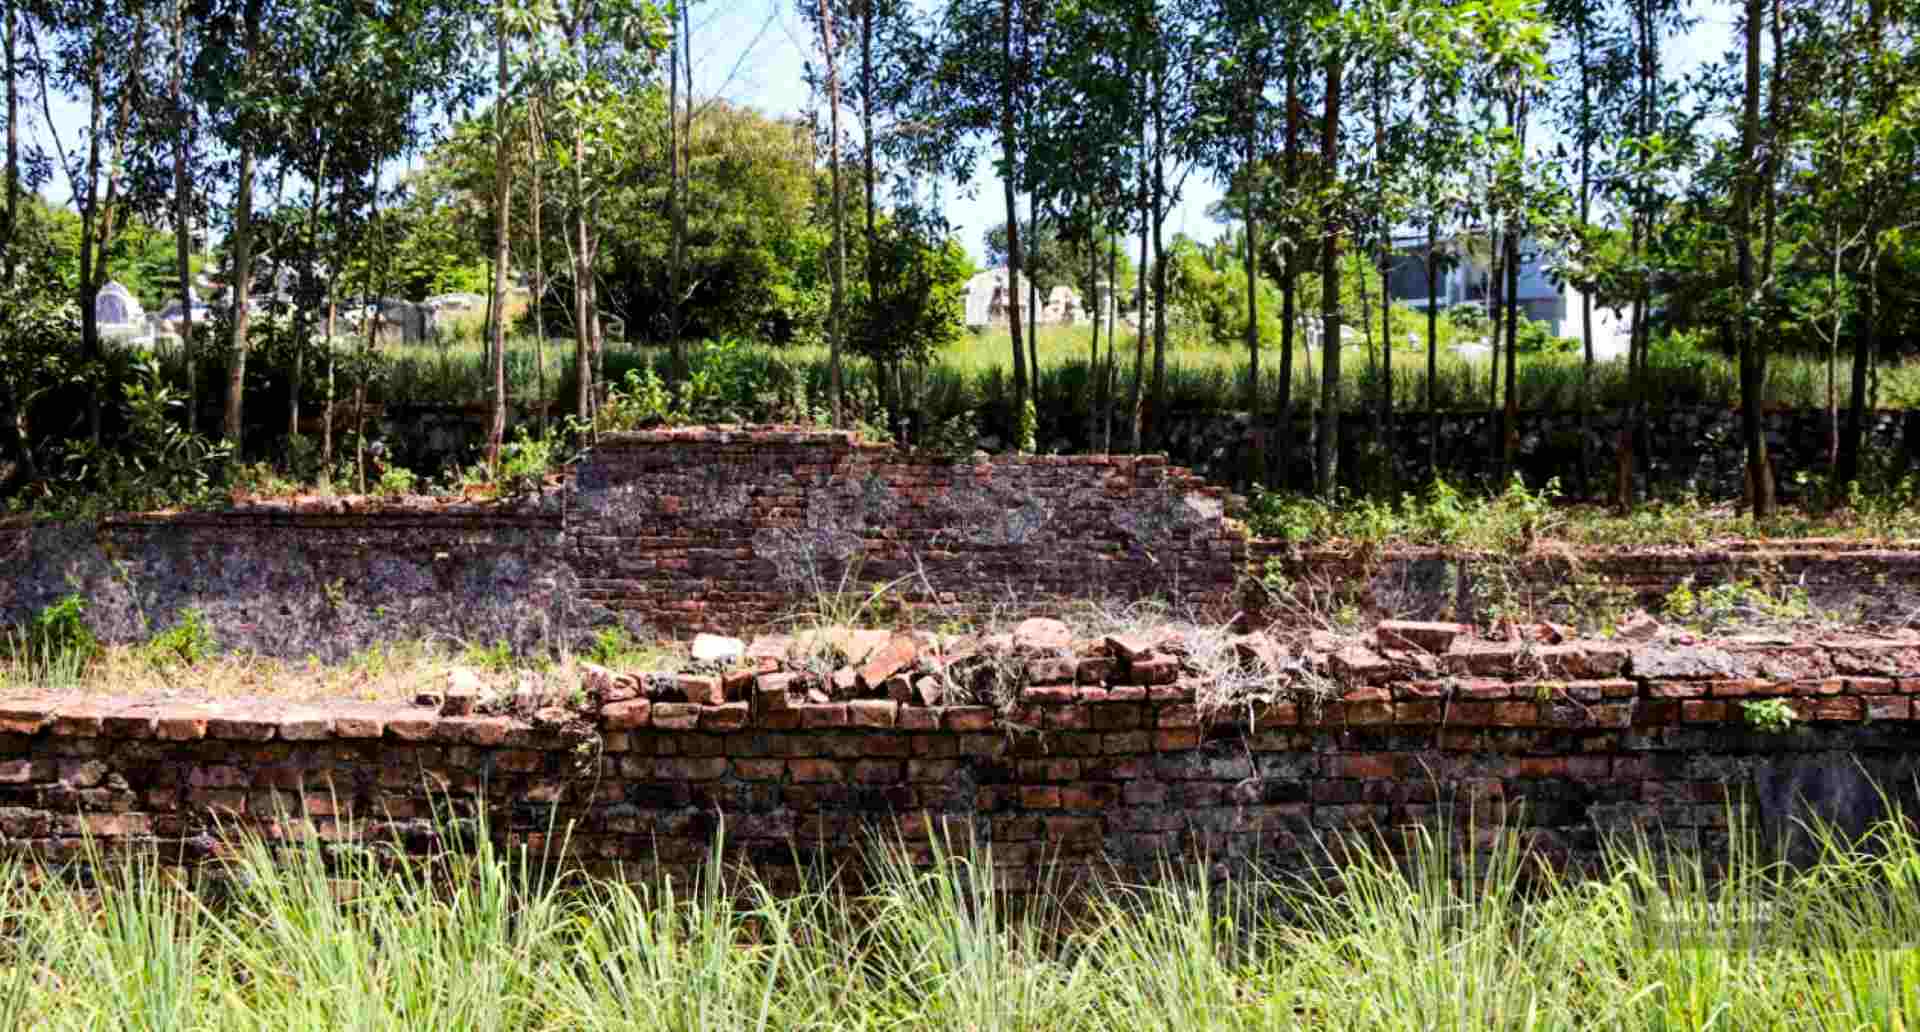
[{"x": 753, "y": 52}]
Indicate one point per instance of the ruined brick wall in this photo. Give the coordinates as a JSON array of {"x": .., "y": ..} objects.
[
  {"x": 717, "y": 529},
  {"x": 322, "y": 577},
  {"x": 1859, "y": 582},
  {"x": 1592, "y": 739}
]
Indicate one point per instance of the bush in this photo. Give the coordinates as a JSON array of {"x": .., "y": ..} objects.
[
  {"x": 55, "y": 645},
  {"x": 187, "y": 642}
]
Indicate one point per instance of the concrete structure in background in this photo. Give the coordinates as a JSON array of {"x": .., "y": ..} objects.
[{"x": 1464, "y": 280}]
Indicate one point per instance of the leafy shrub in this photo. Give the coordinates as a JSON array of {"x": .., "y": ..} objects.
[
  {"x": 156, "y": 464},
  {"x": 395, "y": 482},
  {"x": 188, "y": 641},
  {"x": 55, "y": 644}
]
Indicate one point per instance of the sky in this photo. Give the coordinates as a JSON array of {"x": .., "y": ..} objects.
[{"x": 753, "y": 52}]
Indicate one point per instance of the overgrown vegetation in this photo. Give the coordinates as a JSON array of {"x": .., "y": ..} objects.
[{"x": 1420, "y": 935}]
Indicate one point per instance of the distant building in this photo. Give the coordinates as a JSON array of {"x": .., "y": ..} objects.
[{"x": 1464, "y": 278}]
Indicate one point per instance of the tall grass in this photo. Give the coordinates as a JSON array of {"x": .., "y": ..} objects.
[
  {"x": 1416, "y": 932},
  {"x": 976, "y": 373}
]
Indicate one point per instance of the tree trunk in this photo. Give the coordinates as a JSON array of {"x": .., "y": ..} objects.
[
  {"x": 1139, "y": 395},
  {"x": 1289, "y": 269},
  {"x": 676, "y": 216},
  {"x": 1112, "y": 306},
  {"x": 837, "y": 315},
  {"x": 1094, "y": 392},
  {"x": 242, "y": 254},
  {"x": 1510, "y": 410},
  {"x": 502, "y": 218},
  {"x": 535, "y": 137},
  {"x": 1581, "y": 30},
  {"x": 1009, "y": 148},
  {"x": 89, "y": 280},
  {"x": 1157, "y": 408},
  {"x": 1327, "y": 448},
  {"x": 13, "y": 146},
  {"x": 1433, "y": 341},
  {"x": 1383, "y": 437},
  {"x": 1257, "y": 460},
  {"x": 300, "y": 318},
  {"x": 883, "y": 363},
  {"x": 183, "y": 224}
]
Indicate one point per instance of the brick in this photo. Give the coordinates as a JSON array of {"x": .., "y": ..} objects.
[
  {"x": 816, "y": 771},
  {"x": 1703, "y": 711},
  {"x": 701, "y": 689},
  {"x": 1428, "y": 636},
  {"x": 968, "y": 718},
  {"x": 1367, "y": 765},
  {"x": 873, "y": 713},
  {"x": 731, "y": 716},
  {"x": 823, "y": 714},
  {"x": 1176, "y": 740},
  {"x": 1062, "y": 670},
  {"x": 1049, "y": 695},
  {"x": 676, "y": 716},
  {"x": 1889, "y": 707},
  {"x": 690, "y": 768},
  {"x": 343, "y": 727},
  {"x": 1515, "y": 714},
  {"x": 1153, "y": 669},
  {"x": 23, "y": 718},
  {"x": 628, "y": 715},
  {"x": 1843, "y": 708},
  {"x": 1677, "y": 689},
  {"x": 918, "y": 718}
]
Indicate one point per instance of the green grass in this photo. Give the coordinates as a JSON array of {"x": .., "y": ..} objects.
[
  {"x": 976, "y": 373},
  {"x": 1430, "y": 938}
]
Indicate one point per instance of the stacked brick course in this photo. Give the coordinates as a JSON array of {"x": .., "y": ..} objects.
[
  {"x": 1590, "y": 738},
  {"x": 724, "y": 529}
]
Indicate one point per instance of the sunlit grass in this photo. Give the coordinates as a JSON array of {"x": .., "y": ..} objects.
[{"x": 1427, "y": 935}]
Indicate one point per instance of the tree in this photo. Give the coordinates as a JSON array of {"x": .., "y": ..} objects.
[
  {"x": 1327, "y": 450},
  {"x": 502, "y": 217}
]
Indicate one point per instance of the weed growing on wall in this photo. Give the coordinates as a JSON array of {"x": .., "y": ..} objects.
[
  {"x": 188, "y": 642},
  {"x": 54, "y": 647}
]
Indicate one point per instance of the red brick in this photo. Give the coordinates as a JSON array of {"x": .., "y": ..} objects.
[
  {"x": 242, "y": 729},
  {"x": 1703, "y": 711},
  {"x": 1427, "y": 712},
  {"x": 1039, "y": 797},
  {"x": 730, "y": 716},
  {"x": 1176, "y": 740},
  {"x": 1134, "y": 692},
  {"x": 690, "y": 768},
  {"x": 1868, "y": 685},
  {"x": 1845, "y": 707},
  {"x": 918, "y": 718},
  {"x": 873, "y": 712},
  {"x": 701, "y": 689},
  {"x": 626, "y": 716},
  {"x": 1516, "y": 714},
  {"x": 1676, "y": 689},
  {"x": 343, "y": 727},
  {"x": 1049, "y": 694},
  {"x": 968, "y": 718},
  {"x": 1889, "y": 707},
  {"x": 1180, "y": 715},
  {"x": 1368, "y": 765},
  {"x": 180, "y": 729},
  {"x": 824, "y": 714},
  {"x": 1369, "y": 712},
  {"x": 1373, "y": 693},
  {"x": 813, "y": 771},
  {"x": 676, "y": 716},
  {"x": 23, "y": 718},
  {"x": 1482, "y": 689},
  {"x": 1153, "y": 669}
]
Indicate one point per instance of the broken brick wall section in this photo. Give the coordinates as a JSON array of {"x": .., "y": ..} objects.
[
  {"x": 1857, "y": 582},
  {"x": 1576, "y": 742},
  {"x": 714, "y": 529}
]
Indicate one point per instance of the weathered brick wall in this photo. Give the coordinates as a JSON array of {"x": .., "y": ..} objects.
[
  {"x": 1857, "y": 581},
  {"x": 321, "y": 577},
  {"x": 1591, "y": 738},
  {"x": 722, "y": 529}
]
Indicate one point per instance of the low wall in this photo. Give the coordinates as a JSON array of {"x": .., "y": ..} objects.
[
  {"x": 1591, "y": 739},
  {"x": 715, "y": 529},
  {"x": 321, "y": 577},
  {"x": 1857, "y": 582}
]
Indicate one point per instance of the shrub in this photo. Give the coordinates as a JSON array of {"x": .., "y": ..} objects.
[{"x": 188, "y": 641}]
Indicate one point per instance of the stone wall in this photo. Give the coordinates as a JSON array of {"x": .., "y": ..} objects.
[
  {"x": 322, "y": 577},
  {"x": 1575, "y": 741},
  {"x": 725, "y": 529}
]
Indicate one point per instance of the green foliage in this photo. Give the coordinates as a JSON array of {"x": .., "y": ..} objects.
[
  {"x": 395, "y": 482},
  {"x": 156, "y": 463},
  {"x": 189, "y": 641},
  {"x": 1442, "y": 515},
  {"x": 55, "y": 645},
  {"x": 495, "y": 658},
  {"x": 1771, "y": 716},
  {"x": 1735, "y": 603}
]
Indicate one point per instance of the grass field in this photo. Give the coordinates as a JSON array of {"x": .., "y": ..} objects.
[
  {"x": 976, "y": 372},
  {"x": 1433, "y": 939}
]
